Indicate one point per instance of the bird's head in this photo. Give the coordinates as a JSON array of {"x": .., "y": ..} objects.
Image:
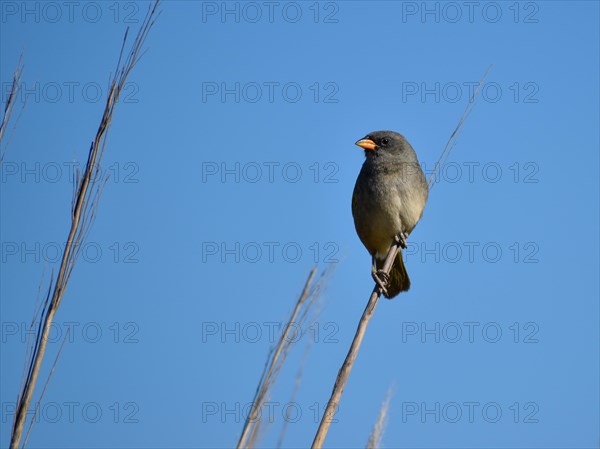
[{"x": 384, "y": 143}]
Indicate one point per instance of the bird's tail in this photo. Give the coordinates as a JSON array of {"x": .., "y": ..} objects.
[{"x": 399, "y": 280}]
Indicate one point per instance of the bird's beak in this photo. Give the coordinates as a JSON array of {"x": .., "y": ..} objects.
[{"x": 367, "y": 144}]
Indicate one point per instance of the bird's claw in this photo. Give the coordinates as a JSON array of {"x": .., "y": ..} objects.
[
  {"x": 401, "y": 239},
  {"x": 381, "y": 278}
]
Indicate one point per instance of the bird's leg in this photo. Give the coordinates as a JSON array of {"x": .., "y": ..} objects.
[
  {"x": 401, "y": 239},
  {"x": 380, "y": 277}
]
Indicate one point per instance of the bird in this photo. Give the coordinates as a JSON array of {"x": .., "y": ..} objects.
[{"x": 388, "y": 201}]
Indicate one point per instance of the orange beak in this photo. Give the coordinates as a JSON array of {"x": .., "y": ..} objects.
[{"x": 367, "y": 144}]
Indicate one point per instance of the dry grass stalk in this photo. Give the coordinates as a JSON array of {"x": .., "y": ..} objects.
[
  {"x": 310, "y": 295},
  {"x": 379, "y": 428},
  {"x": 40, "y": 304},
  {"x": 10, "y": 102},
  {"x": 85, "y": 203},
  {"x": 297, "y": 384},
  {"x": 298, "y": 381},
  {"x": 344, "y": 373},
  {"x": 314, "y": 306},
  {"x": 458, "y": 130},
  {"x": 271, "y": 368},
  {"x": 39, "y": 403}
]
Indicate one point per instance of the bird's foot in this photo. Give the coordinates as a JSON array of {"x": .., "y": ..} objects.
[
  {"x": 381, "y": 278},
  {"x": 401, "y": 239}
]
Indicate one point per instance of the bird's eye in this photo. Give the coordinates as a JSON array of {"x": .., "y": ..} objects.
[{"x": 385, "y": 141}]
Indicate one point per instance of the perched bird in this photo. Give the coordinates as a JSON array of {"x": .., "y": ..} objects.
[{"x": 387, "y": 203}]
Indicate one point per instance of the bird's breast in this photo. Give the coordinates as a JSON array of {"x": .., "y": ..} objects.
[
  {"x": 383, "y": 205},
  {"x": 376, "y": 210}
]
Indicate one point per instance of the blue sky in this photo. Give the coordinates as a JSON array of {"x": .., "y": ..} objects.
[{"x": 231, "y": 164}]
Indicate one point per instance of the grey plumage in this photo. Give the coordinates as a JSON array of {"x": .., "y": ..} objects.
[{"x": 389, "y": 198}]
